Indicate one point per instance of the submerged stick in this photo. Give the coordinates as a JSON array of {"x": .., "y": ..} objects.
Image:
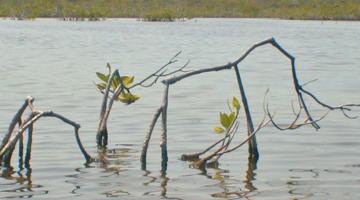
[
  {"x": 15, "y": 120},
  {"x": 163, "y": 142},
  {"x": 253, "y": 150},
  {"x": 29, "y": 147},
  {"x": 8, "y": 147},
  {"x": 147, "y": 139}
]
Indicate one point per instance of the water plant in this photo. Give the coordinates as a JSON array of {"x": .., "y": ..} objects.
[{"x": 118, "y": 86}]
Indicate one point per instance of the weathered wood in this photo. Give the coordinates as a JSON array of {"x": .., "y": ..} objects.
[
  {"x": 163, "y": 142},
  {"x": 147, "y": 139}
]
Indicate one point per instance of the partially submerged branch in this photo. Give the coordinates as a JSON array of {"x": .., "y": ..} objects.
[
  {"x": 300, "y": 91},
  {"x": 14, "y": 121},
  {"x": 163, "y": 143},
  {"x": 15, "y": 137}
]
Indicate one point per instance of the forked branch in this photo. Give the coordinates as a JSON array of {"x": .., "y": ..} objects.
[
  {"x": 300, "y": 91},
  {"x": 16, "y": 136}
]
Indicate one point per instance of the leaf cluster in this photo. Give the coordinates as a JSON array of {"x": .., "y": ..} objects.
[
  {"x": 122, "y": 82},
  {"x": 227, "y": 119}
]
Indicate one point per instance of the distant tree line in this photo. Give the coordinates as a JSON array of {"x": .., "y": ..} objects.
[{"x": 171, "y": 9}]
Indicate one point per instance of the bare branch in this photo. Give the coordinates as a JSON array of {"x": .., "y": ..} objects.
[
  {"x": 173, "y": 80},
  {"x": 163, "y": 141},
  {"x": 13, "y": 122},
  {"x": 181, "y": 69},
  {"x": 148, "y": 137},
  {"x": 261, "y": 125},
  {"x": 155, "y": 74},
  {"x": 27, "y": 124},
  {"x": 309, "y": 82}
]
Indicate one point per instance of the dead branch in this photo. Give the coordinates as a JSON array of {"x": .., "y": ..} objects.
[
  {"x": 15, "y": 120},
  {"x": 27, "y": 124},
  {"x": 147, "y": 138},
  {"x": 163, "y": 140},
  {"x": 250, "y": 126},
  {"x": 160, "y": 73}
]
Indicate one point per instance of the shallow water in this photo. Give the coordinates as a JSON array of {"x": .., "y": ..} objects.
[{"x": 56, "y": 61}]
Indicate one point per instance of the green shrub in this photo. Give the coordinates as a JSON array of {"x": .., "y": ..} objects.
[{"x": 162, "y": 15}]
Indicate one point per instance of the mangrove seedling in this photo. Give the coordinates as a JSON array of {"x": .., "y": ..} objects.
[{"x": 115, "y": 87}]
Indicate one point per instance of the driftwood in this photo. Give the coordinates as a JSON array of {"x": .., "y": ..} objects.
[
  {"x": 12, "y": 137},
  {"x": 251, "y": 139}
]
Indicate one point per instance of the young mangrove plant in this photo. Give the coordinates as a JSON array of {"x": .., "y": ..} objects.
[
  {"x": 115, "y": 87},
  {"x": 15, "y": 135},
  {"x": 251, "y": 131},
  {"x": 118, "y": 86},
  {"x": 228, "y": 127}
]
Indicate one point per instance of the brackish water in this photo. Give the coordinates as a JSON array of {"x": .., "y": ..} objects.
[{"x": 56, "y": 61}]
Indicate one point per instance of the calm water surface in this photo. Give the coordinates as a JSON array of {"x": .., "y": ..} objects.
[{"x": 56, "y": 61}]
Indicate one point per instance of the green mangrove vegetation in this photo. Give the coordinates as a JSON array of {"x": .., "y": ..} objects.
[{"x": 169, "y": 10}]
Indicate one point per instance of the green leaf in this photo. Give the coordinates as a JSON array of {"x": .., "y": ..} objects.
[
  {"x": 236, "y": 103},
  {"x": 127, "y": 80},
  {"x": 225, "y": 121},
  {"x": 101, "y": 86},
  {"x": 102, "y": 77},
  {"x": 218, "y": 130},
  {"x": 128, "y": 98},
  {"x": 232, "y": 117}
]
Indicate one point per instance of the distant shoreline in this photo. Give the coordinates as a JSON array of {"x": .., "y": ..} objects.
[
  {"x": 183, "y": 19},
  {"x": 166, "y": 10}
]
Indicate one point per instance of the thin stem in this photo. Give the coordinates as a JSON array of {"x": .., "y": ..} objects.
[
  {"x": 163, "y": 143},
  {"x": 148, "y": 137},
  {"x": 29, "y": 147},
  {"x": 21, "y": 153},
  {"x": 253, "y": 150}
]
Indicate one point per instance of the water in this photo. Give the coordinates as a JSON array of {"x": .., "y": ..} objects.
[{"x": 56, "y": 61}]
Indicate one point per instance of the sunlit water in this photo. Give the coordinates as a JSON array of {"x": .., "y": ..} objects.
[{"x": 56, "y": 61}]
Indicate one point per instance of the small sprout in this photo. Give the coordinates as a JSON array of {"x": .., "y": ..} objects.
[{"x": 227, "y": 120}]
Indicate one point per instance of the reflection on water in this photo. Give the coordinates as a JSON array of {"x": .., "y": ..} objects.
[
  {"x": 19, "y": 185},
  {"x": 163, "y": 184},
  {"x": 226, "y": 183},
  {"x": 115, "y": 160}
]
